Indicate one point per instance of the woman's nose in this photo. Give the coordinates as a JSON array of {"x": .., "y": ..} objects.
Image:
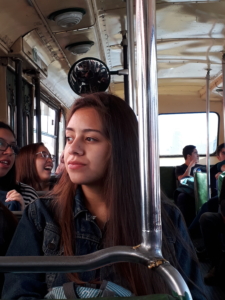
[
  {"x": 9, "y": 150},
  {"x": 76, "y": 148}
]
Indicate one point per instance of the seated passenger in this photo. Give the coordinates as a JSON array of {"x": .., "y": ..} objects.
[
  {"x": 95, "y": 205},
  {"x": 11, "y": 190},
  {"x": 212, "y": 204},
  {"x": 216, "y": 170},
  {"x": 34, "y": 165},
  {"x": 186, "y": 201},
  {"x": 213, "y": 232},
  {"x": 8, "y": 225}
]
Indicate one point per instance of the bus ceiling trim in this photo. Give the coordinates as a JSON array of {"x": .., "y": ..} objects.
[
  {"x": 17, "y": 51},
  {"x": 49, "y": 30},
  {"x": 214, "y": 83},
  {"x": 4, "y": 48},
  {"x": 52, "y": 95}
]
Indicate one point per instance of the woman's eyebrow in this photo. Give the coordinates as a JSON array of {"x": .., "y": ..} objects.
[{"x": 85, "y": 130}]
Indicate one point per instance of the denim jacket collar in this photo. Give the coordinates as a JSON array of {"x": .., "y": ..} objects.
[{"x": 79, "y": 202}]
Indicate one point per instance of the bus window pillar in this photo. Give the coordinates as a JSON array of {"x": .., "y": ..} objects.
[
  {"x": 38, "y": 107},
  {"x": 19, "y": 102},
  {"x": 4, "y": 106}
]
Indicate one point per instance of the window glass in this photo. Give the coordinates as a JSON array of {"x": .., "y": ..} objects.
[
  {"x": 51, "y": 121},
  {"x": 44, "y": 117},
  {"x": 178, "y": 130}
]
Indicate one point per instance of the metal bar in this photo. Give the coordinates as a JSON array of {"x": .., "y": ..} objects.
[
  {"x": 125, "y": 66},
  {"x": 223, "y": 71},
  {"x": 63, "y": 264},
  {"x": 38, "y": 107},
  {"x": 131, "y": 55},
  {"x": 148, "y": 125},
  {"x": 207, "y": 132},
  {"x": 19, "y": 102},
  {"x": 99, "y": 259}
]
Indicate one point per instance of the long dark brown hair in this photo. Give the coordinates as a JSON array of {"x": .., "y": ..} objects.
[
  {"x": 26, "y": 171},
  {"x": 122, "y": 192}
]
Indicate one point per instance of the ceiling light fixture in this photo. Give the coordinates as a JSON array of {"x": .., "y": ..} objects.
[
  {"x": 67, "y": 17},
  {"x": 80, "y": 47}
]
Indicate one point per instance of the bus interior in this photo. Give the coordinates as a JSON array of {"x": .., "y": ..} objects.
[{"x": 40, "y": 41}]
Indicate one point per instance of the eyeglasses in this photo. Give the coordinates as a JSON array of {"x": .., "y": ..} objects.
[
  {"x": 46, "y": 155},
  {"x": 4, "y": 146}
]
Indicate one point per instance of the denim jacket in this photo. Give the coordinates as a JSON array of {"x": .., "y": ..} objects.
[{"x": 38, "y": 234}]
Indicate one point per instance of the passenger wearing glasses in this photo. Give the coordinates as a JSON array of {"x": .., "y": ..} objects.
[
  {"x": 34, "y": 165},
  {"x": 15, "y": 195}
]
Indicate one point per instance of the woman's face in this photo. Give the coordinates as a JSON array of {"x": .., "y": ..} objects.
[
  {"x": 7, "y": 157},
  {"x": 87, "y": 150},
  {"x": 43, "y": 166}
]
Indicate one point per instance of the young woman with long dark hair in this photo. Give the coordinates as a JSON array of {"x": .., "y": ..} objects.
[
  {"x": 11, "y": 190},
  {"x": 34, "y": 164},
  {"x": 95, "y": 205}
]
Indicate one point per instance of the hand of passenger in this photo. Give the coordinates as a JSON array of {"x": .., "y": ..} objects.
[
  {"x": 13, "y": 195},
  {"x": 217, "y": 175},
  {"x": 222, "y": 168},
  {"x": 192, "y": 163}
]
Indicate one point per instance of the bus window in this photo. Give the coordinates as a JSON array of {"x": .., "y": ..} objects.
[{"x": 179, "y": 130}]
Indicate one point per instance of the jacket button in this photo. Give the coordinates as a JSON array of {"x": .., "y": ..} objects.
[{"x": 51, "y": 246}]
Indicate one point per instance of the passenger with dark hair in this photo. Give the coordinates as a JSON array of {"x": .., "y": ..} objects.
[
  {"x": 191, "y": 157},
  {"x": 11, "y": 190},
  {"x": 95, "y": 205},
  {"x": 8, "y": 225},
  {"x": 184, "y": 200},
  {"x": 34, "y": 164}
]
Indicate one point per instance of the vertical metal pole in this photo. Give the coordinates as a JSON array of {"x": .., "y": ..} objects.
[
  {"x": 38, "y": 107},
  {"x": 19, "y": 102},
  {"x": 223, "y": 70},
  {"x": 131, "y": 55},
  {"x": 207, "y": 127},
  {"x": 125, "y": 66},
  {"x": 148, "y": 125}
]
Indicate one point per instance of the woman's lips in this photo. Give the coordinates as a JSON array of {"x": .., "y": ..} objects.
[
  {"x": 74, "y": 165},
  {"x": 5, "y": 163}
]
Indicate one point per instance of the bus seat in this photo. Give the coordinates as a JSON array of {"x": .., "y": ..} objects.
[
  {"x": 220, "y": 181},
  {"x": 168, "y": 181},
  {"x": 200, "y": 186}
]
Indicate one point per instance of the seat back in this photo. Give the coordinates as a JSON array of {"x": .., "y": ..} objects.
[
  {"x": 168, "y": 181},
  {"x": 220, "y": 181},
  {"x": 200, "y": 187}
]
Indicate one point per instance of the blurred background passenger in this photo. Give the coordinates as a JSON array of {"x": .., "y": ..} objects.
[
  {"x": 11, "y": 190},
  {"x": 34, "y": 165},
  {"x": 61, "y": 165}
]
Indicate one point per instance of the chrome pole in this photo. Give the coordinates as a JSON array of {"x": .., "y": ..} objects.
[
  {"x": 148, "y": 140},
  {"x": 131, "y": 55},
  {"x": 223, "y": 70},
  {"x": 207, "y": 129},
  {"x": 148, "y": 125}
]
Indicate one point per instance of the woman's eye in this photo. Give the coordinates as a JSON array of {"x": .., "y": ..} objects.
[
  {"x": 68, "y": 139},
  {"x": 89, "y": 139}
]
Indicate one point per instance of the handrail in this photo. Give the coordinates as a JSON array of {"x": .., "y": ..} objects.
[{"x": 98, "y": 259}]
